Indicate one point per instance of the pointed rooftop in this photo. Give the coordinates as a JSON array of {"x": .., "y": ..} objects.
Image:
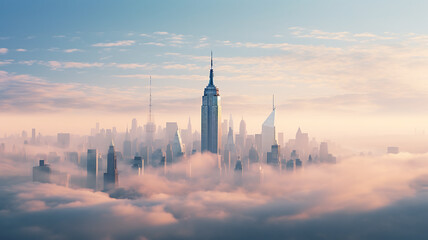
[
  {"x": 211, "y": 89},
  {"x": 270, "y": 120},
  {"x": 177, "y": 145}
]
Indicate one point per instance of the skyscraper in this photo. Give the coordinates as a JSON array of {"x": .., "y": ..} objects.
[
  {"x": 268, "y": 133},
  {"x": 111, "y": 176},
  {"x": 42, "y": 173},
  {"x": 150, "y": 127},
  {"x": 273, "y": 156},
  {"x": 92, "y": 169},
  {"x": 211, "y": 117},
  {"x": 177, "y": 147},
  {"x": 243, "y": 130},
  {"x": 127, "y": 152}
]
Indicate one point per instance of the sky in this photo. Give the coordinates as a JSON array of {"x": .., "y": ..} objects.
[
  {"x": 353, "y": 72},
  {"x": 335, "y": 67}
]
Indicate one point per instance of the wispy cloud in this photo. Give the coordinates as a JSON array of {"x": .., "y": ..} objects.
[
  {"x": 5, "y": 62},
  {"x": 21, "y": 50},
  {"x": 115, "y": 44},
  {"x": 72, "y": 50},
  {"x": 131, "y": 65},
  {"x": 60, "y": 65},
  {"x": 155, "y": 44},
  {"x": 3, "y": 50},
  {"x": 161, "y": 33}
]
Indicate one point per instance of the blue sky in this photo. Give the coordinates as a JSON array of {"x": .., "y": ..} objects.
[{"x": 328, "y": 59}]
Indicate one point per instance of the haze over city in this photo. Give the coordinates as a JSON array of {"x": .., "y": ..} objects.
[{"x": 213, "y": 119}]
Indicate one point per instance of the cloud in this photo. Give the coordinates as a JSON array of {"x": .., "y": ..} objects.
[
  {"x": 115, "y": 44},
  {"x": 3, "y": 50},
  {"x": 155, "y": 44},
  {"x": 132, "y": 65},
  {"x": 189, "y": 67},
  {"x": 61, "y": 65},
  {"x": 28, "y": 62},
  {"x": 21, "y": 50},
  {"x": 386, "y": 193},
  {"x": 72, "y": 50},
  {"x": 6, "y": 62},
  {"x": 161, "y": 33}
]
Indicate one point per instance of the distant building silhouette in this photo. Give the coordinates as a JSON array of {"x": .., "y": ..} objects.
[
  {"x": 42, "y": 173},
  {"x": 111, "y": 177},
  {"x": 393, "y": 150},
  {"x": 127, "y": 145},
  {"x": 92, "y": 169},
  {"x": 63, "y": 140},
  {"x": 177, "y": 147},
  {"x": 273, "y": 158}
]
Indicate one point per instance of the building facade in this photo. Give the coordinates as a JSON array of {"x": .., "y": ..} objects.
[{"x": 211, "y": 117}]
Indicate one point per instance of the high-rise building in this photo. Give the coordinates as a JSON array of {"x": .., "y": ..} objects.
[
  {"x": 127, "y": 150},
  {"x": 111, "y": 176},
  {"x": 177, "y": 146},
  {"x": 323, "y": 152},
  {"x": 393, "y": 150},
  {"x": 169, "y": 155},
  {"x": 243, "y": 131},
  {"x": 302, "y": 143},
  {"x": 63, "y": 139},
  {"x": 170, "y": 128},
  {"x": 273, "y": 158},
  {"x": 253, "y": 155},
  {"x": 33, "y": 136},
  {"x": 150, "y": 127},
  {"x": 42, "y": 173},
  {"x": 138, "y": 166},
  {"x": 92, "y": 169},
  {"x": 72, "y": 157},
  {"x": 268, "y": 133},
  {"x": 211, "y": 117}
]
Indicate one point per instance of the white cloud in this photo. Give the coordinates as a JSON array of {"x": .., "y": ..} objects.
[
  {"x": 6, "y": 62},
  {"x": 115, "y": 44},
  {"x": 130, "y": 65},
  {"x": 28, "y": 63},
  {"x": 21, "y": 50},
  {"x": 60, "y": 65},
  {"x": 72, "y": 50},
  {"x": 155, "y": 44},
  {"x": 161, "y": 33},
  {"x": 3, "y": 50}
]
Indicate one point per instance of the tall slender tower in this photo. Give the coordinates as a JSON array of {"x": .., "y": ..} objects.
[
  {"x": 211, "y": 116},
  {"x": 111, "y": 177},
  {"x": 150, "y": 128},
  {"x": 268, "y": 132}
]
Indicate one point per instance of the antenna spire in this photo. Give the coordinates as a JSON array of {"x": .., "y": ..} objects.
[
  {"x": 273, "y": 102},
  {"x": 150, "y": 102},
  {"x": 211, "y": 71},
  {"x": 211, "y": 59}
]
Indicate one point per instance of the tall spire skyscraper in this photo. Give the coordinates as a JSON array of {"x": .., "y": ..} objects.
[{"x": 211, "y": 116}]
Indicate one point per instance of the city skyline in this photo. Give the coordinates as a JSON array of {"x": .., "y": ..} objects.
[
  {"x": 192, "y": 119},
  {"x": 333, "y": 72}
]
